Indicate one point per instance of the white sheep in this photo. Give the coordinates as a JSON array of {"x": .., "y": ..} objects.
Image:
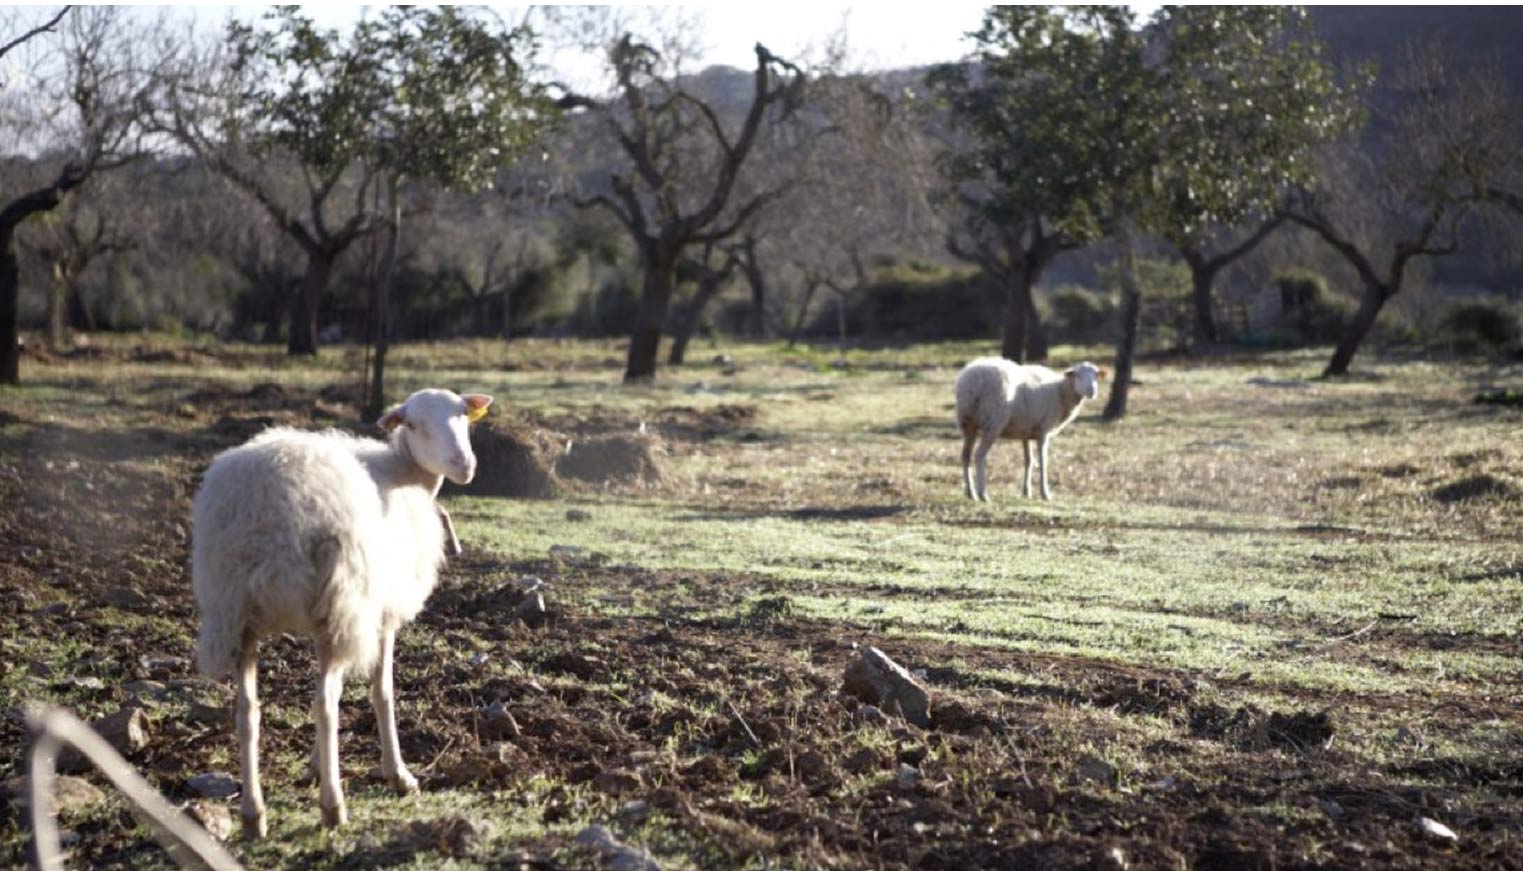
[
  {"x": 334, "y": 537},
  {"x": 997, "y": 398}
]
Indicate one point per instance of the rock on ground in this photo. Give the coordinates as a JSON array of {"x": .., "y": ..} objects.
[{"x": 878, "y": 680}]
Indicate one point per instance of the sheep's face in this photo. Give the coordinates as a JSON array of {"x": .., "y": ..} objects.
[
  {"x": 1085, "y": 380},
  {"x": 436, "y": 429}
]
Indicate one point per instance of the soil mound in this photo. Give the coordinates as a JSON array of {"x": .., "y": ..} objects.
[
  {"x": 614, "y": 459},
  {"x": 512, "y": 461}
]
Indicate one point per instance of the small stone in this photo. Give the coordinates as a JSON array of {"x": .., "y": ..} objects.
[
  {"x": 162, "y": 665},
  {"x": 616, "y": 782},
  {"x": 213, "y": 784},
  {"x": 569, "y": 553},
  {"x": 1111, "y": 859},
  {"x": 636, "y": 809},
  {"x": 1093, "y": 769},
  {"x": 125, "y": 598},
  {"x": 1437, "y": 830},
  {"x": 127, "y": 731},
  {"x": 869, "y": 715},
  {"x": 38, "y": 668},
  {"x": 144, "y": 690},
  {"x": 532, "y": 611},
  {"x": 862, "y": 760},
  {"x": 500, "y": 722},
  {"x": 70, "y": 794},
  {"x": 528, "y": 583},
  {"x": 206, "y": 715},
  {"x": 616, "y": 855},
  {"x": 213, "y": 817},
  {"x": 906, "y": 777},
  {"x": 876, "y": 679},
  {"x": 577, "y": 515}
]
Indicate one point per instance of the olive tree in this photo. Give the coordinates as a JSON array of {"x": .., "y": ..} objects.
[{"x": 677, "y": 183}]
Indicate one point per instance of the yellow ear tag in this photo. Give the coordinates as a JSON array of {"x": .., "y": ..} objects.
[{"x": 475, "y": 413}]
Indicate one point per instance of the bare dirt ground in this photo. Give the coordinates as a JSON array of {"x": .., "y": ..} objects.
[{"x": 698, "y": 709}]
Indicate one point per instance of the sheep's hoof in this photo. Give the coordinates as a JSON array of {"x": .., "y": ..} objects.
[
  {"x": 255, "y": 826},
  {"x": 335, "y": 816},
  {"x": 403, "y": 782}
]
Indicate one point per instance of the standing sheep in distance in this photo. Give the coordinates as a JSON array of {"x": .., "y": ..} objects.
[
  {"x": 333, "y": 537},
  {"x": 997, "y": 398}
]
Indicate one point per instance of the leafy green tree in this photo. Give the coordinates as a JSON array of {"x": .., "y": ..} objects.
[
  {"x": 1040, "y": 141},
  {"x": 282, "y": 111},
  {"x": 1249, "y": 98},
  {"x": 453, "y": 103}
]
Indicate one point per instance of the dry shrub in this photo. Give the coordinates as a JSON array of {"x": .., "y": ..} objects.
[
  {"x": 511, "y": 460},
  {"x": 614, "y": 459}
]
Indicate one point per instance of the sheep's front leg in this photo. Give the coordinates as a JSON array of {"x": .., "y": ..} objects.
[
  {"x": 968, "y": 437},
  {"x": 1046, "y": 496},
  {"x": 330, "y": 686},
  {"x": 985, "y": 444},
  {"x": 1030, "y": 460},
  {"x": 255, "y": 825},
  {"x": 383, "y": 699}
]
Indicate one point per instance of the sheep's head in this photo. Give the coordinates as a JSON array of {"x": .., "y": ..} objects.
[
  {"x": 1085, "y": 380},
  {"x": 435, "y": 429}
]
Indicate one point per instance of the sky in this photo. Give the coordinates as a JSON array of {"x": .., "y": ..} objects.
[{"x": 881, "y": 35}]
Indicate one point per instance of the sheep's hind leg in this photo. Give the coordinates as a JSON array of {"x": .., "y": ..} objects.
[
  {"x": 255, "y": 823},
  {"x": 968, "y": 435},
  {"x": 330, "y": 685},
  {"x": 1030, "y": 460},
  {"x": 985, "y": 444},
  {"x": 1042, "y": 447},
  {"x": 383, "y": 699}
]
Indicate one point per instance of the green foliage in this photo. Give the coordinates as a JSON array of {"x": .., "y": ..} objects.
[
  {"x": 1487, "y": 325},
  {"x": 1051, "y": 110},
  {"x": 430, "y": 93},
  {"x": 1078, "y": 115},
  {"x": 1245, "y": 95}
]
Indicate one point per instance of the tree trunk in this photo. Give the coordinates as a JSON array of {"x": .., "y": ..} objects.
[
  {"x": 1369, "y": 309},
  {"x": 1201, "y": 279},
  {"x": 841, "y": 324},
  {"x": 79, "y": 317},
  {"x": 708, "y": 288},
  {"x": 1036, "y": 334},
  {"x": 302, "y": 337},
  {"x": 10, "y": 351},
  {"x": 58, "y": 309},
  {"x": 803, "y": 315},
  {"x": 756, "y": 321},
  {"x": 1019, "y": 308},
  {"x": 645, "y": 339},
  {"x": 375, "y": 401},
  {"x": 1131, "y": 316}
]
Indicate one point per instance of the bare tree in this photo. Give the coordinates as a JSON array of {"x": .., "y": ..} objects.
[
  {"x": 682, "y": 169},
  {"x": 86, "y": 229},
  {"x": 710, "y": 272},
  {"x": 1411, "y": 188},
  {"x": 83, "y": 107},
  {"x": 863, "y": 192}
]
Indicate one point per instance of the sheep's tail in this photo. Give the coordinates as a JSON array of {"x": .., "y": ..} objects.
[{"x": 220, "y": 642}]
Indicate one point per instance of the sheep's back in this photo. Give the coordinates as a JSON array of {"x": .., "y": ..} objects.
[{"x": 287, "y": 523}]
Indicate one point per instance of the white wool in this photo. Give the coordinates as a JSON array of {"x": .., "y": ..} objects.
[
  {"x": 997, "y": 398},
  {"x": 322, "y": 534}
]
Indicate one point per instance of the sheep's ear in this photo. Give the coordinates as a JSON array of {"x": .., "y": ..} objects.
[
  {"x": 476, "y": 405},
  {"x": 392, "y": 419},
  {"x": 1102, "y": 374}
]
